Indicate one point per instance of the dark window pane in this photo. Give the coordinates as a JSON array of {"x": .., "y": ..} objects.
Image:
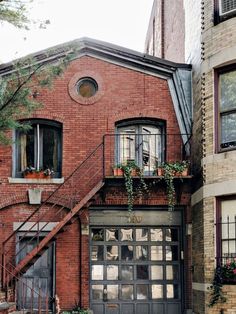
[
  {"x": 50, "y": 149},
  {"x": 127, "y": 252},
  {"x": 142, "y": 271},
  {"x": 171, "y": 234},
  {"x": 97, "y": 234}
]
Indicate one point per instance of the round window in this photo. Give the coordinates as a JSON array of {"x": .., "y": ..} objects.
[{"x": 87, "y": 87}]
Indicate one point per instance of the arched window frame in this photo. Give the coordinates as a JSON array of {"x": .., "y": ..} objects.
[{"x": 138, "y": 125}]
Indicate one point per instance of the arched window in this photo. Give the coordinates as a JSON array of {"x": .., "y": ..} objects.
[
  {"x": 40, "y": 147},
  {"x": 141, "y": 141}
]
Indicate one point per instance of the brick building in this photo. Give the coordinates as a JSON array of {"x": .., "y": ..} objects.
[
  {"x": 70, "y": 237},
  {"x": 208, "y": 42}
]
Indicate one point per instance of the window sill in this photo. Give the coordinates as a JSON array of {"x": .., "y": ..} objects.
[{"x": 38, "y": 181}]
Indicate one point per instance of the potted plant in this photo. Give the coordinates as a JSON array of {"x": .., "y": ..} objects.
[
  {"x": 33, "y": 173},
  {"x": 118, "y": 170},
  {"x": 159, "y": 170}
]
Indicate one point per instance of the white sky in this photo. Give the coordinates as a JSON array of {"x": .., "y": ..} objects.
[{"x": 120, "y": 22}]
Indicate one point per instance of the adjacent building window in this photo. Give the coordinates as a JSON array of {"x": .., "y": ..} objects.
[
  {"x": 224, "y": 9},
  {"x": 227, "y": 109},
  {"x": 40, "y": 147},
  {"x": 141, "y": 142},
  {"x": 226, "y": 231}
]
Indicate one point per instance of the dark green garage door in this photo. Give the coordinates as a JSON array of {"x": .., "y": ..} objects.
[{"x": 135, "y": 270}]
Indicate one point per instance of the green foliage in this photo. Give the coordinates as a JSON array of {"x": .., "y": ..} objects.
[
  {"x": 16, "y": 13},
  {"x": 228, "y": 271},
  {"x": 20, "y": 87},
  {"x": 217, "y": 295},
  {"x": 171, "y": 169},
  {"x": 128, "y": 169}
]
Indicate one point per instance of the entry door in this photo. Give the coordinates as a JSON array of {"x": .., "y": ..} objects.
[
  {"x": 135, "y": 270},
  {"x": 39, "y": 277}
]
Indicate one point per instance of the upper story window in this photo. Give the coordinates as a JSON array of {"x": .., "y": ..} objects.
[
  {"x": 224, "y": 9},
  {"x": 226, "y": 231},
  {"x": 142, "y": 142},
  {"x": 40, "y": 147},
  {"x": 227, "y": 109},
  {"x": 87, "y": 87}
]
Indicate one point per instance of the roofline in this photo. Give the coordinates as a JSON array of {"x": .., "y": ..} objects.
[{"x": 88, "y": 46}]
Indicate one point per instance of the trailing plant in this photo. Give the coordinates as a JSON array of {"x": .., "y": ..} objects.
[
  {"x": 130, "y": 169},
  {"x": 170, "y": 170},
  {"x": 217, "y": 295}
]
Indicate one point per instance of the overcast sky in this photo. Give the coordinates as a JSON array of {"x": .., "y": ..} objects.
[{"x": 121, "y": 22}]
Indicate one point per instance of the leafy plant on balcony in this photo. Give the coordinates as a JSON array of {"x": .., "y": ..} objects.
[
  {"x": 171, "y": 170},
  {"x": 131, "y": 170}
]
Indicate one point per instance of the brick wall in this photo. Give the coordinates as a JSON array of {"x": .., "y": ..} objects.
[
  {"x": 124, "y": 94},
  {"x": 166, "y": 27}
]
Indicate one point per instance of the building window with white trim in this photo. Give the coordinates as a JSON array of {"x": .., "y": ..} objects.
[{"x": 40, "y": 147}]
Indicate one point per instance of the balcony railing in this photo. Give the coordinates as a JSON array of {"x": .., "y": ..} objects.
[{"x": 147, "y": 150}]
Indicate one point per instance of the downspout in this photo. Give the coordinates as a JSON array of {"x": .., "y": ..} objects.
[
  {"x": 80, "y": 263},
  {"x": 162, "y": 29}
]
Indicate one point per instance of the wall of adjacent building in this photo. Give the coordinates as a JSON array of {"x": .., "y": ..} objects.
[{"x": 207, "y": 47}]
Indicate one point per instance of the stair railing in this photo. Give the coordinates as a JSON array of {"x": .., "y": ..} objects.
[
  {"x": 42, "y": 300},
  {"x": 53, "y": 208}
]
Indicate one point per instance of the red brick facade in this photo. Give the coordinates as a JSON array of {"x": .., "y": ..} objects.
[{"x": 123, "y": 93}]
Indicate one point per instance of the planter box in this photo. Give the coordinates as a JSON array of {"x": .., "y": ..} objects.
[
  {"x": 34, "y": 196},
  {"x": 36, "y": 175}
]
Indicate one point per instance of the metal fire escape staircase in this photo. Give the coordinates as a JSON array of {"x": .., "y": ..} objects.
[{"x": 61, "y": 207}]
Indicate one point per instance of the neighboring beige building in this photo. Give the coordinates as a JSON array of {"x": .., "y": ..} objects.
[{"x": 208, "y": 42}]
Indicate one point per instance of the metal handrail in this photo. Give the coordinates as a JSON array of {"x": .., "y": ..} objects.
[
  {"x": 5, "y": 252},
  {"x": 33, "y": 291}
]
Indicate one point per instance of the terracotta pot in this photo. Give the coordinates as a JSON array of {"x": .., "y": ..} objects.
[
  {"x": 134, "y": 173},
  {"x": 118, "y": 172},
  {"x": 160, "y": 172},
  {"x": 184, "y": 173}
]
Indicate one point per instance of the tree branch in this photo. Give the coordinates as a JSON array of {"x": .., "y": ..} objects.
[{"x": 20, "y": 86}]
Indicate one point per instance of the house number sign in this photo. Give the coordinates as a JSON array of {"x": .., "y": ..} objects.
[{"x": 135, "y": 219}]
